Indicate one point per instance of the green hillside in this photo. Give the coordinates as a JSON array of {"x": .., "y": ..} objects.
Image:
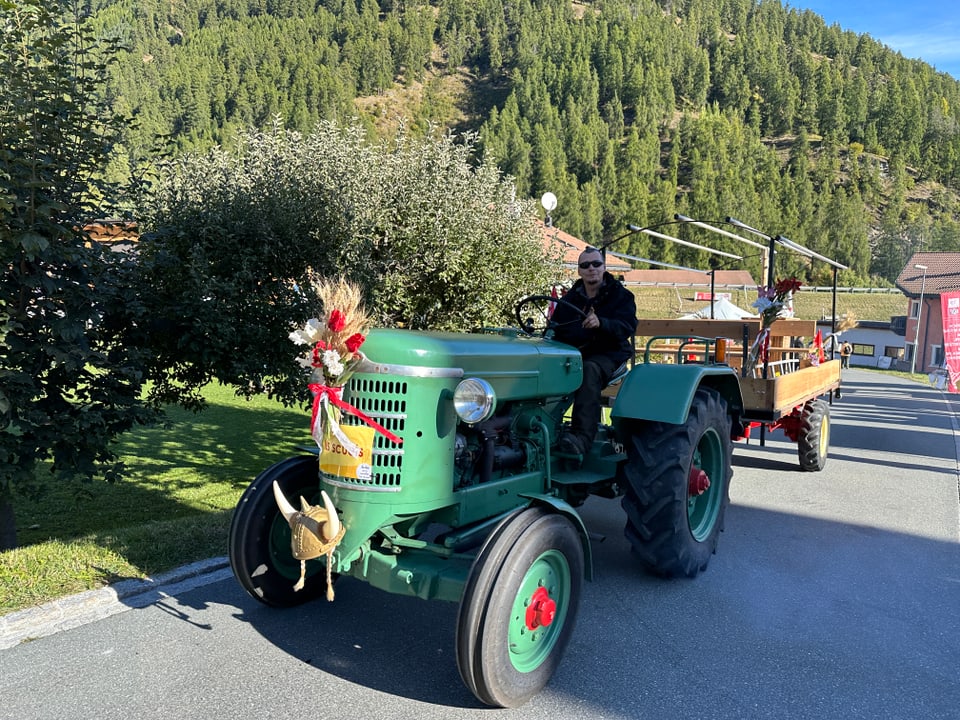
[{"x": 628, "y": 110}]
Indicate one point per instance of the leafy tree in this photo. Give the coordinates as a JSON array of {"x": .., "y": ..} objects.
[
  {"x": 71, "y": 373},
  {"x": 233, "y": 239}
]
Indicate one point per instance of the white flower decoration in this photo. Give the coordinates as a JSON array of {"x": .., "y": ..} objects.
[
  {"x": 331, "y": 362},
  {"x": 763, "y": 304},
  {"x": 309, "y": 333}
]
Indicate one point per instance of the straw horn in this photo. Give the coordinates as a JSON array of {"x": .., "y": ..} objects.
[
  {"x": 331, "y": 528},
  {"x": 288, "y": 510}
]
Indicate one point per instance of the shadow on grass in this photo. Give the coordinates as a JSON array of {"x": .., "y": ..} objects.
[
  {"x": 224, "y": 443},
  {"x": 192, "y": 465}
]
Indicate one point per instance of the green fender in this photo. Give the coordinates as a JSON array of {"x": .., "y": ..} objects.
[
  {"x": 557, "y": 505},
  {"x": 663, "y": 393}
]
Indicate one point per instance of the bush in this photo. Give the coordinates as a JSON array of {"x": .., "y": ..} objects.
[{"x": 235, "y": 237}]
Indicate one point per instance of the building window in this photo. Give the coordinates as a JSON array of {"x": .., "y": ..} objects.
[
  {"x": 936, "y": 352},
  {"x": 909, "y": 351},
  {"x": 893, "y": 351},
  {"x": 861, "y": 349},
  {"x": 914, "y": 309}
]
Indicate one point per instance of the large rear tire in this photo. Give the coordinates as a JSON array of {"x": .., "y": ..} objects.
[
  {"x": 673, "y": 522},
  {"x": 259, "y": 540},
  {"x": 519, "y": 607},
  {"x": 814, "y": 441}
]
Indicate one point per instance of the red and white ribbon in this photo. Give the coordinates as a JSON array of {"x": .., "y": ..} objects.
[
  {"x": 761, "y": 346},
  {"x": 325, "y": 396}
]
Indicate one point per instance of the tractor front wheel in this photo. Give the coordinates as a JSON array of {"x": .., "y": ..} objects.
[
  {"x": 519, "y": 607},
  {"x": 676, "y": 487},
  {"x": 814, "y": 441},
  {"x": 259, "y": 540}
]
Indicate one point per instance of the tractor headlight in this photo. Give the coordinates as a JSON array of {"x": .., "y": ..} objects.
[{"x": 474, "y": 400}]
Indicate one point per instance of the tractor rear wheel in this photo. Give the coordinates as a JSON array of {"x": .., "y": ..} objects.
[
  {"x": 519, "y": 607},
  {"x": 676, "y": 487},
  {"x": 814, "y": 441},
  {"x": 259, "y": 540}
]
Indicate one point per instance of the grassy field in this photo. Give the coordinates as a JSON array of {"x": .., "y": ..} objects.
[
  {"x": 663, "y": 302},
  {"x": 184, "y": 478}
]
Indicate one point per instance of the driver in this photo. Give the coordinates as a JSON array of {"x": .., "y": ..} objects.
[{"x": 603, "y": 336}]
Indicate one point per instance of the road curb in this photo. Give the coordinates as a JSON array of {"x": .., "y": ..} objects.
[{"x": 75, "y": 610}]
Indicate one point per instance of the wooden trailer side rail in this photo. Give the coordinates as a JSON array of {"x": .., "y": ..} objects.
[
  {"x": 764, "y": 399},
  {"x": 768, "y": 400},
  {"x": 733, "y": 329}
]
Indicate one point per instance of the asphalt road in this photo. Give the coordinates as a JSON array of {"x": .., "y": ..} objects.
[{"x": 832, "y": 595}]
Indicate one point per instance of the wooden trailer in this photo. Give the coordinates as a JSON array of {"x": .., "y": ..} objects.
[{"x": 791, "y": 391}]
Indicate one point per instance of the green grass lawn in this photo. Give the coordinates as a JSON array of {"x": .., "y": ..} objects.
[{"x": 173, "y": 507}]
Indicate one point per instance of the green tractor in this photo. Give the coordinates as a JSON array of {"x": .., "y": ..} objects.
[{"x": 478, "y": 506}]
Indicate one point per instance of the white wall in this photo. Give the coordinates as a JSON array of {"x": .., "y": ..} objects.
[{"x": 879, "y": 338}]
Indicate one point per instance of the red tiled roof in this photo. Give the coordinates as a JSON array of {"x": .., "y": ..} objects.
[
  {"x": 112, "y": 230},
  {"x": 942, "y": 274},
  {"x": 572, "y": 247}
]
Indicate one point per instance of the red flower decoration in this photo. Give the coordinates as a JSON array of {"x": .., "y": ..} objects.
[
  {"x": 337, "y": 321},
  {"x": 787, "y": 285},
  {"x": 354, "y": 342}
]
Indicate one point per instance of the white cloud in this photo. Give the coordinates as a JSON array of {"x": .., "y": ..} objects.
[{"x": 939, "y": 46}]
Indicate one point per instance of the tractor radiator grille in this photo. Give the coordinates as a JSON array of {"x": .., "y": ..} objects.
[{"x": 386, "y": 402}]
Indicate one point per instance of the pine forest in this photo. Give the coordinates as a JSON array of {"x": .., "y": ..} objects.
[{"x": 629, "y": 111}]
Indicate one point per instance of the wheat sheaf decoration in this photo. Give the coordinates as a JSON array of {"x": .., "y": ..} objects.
[{"x": 333, "y": 356}]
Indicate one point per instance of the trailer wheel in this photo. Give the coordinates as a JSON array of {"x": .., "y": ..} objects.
[
  {"x": 676, "y": 489},
  {"x": 814, "y": 441},
  {"x": 519, "y": 607},
  {"x": 259, "y": 540}
]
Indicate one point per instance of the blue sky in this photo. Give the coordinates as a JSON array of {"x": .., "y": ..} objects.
[{"x": 929, "y": 31}]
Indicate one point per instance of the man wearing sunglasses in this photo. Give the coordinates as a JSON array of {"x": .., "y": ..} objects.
[{"x": 602, "y": 334}]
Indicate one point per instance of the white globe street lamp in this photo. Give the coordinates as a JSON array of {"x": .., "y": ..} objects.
[{"x": 549, "y": 202}]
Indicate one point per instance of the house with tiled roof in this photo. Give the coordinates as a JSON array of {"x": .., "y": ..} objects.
[
  {"x": 926, "y": 276},
  {"x": 115, "y": 234},
  {"x": 725, "y": 278},
  {"x": 571, "y": 247}
]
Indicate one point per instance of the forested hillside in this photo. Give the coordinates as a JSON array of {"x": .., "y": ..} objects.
[{"x": 629, "y": 111}]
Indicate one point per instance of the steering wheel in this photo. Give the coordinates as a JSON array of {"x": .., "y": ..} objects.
[{"x": 537, "y": 311}]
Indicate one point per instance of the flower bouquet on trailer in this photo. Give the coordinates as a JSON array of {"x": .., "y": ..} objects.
[{"x": 771, "y": 304}]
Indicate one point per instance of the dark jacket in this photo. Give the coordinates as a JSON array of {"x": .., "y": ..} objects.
[{"x": 616, "y": 308}]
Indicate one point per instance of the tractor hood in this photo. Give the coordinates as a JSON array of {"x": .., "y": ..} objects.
[{"x": 517, "y": 367}]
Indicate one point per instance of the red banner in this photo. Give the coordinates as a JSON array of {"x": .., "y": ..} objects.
[{"x": 950, "y": 310}]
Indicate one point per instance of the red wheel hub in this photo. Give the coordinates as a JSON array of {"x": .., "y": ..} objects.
[
  {"x": 699, "y": 482},
  {"x": 541, "y": 610}
]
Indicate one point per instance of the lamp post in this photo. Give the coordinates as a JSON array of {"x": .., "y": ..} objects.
[
  {"x": 549, "y": 203},
  {"x": 916, "y": 335},
  {"x": 714, "y": 265}
]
